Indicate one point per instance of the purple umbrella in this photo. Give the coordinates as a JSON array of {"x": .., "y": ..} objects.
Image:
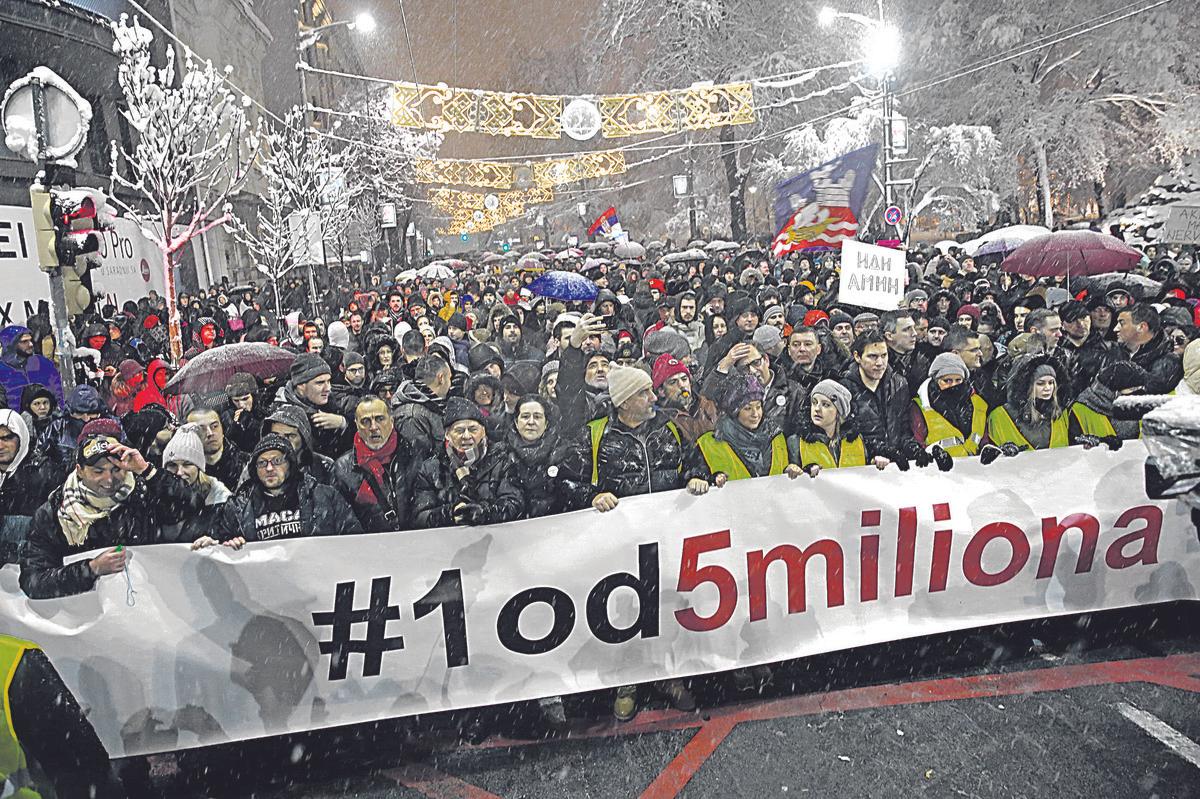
[{"x": 1071, "y": 252}]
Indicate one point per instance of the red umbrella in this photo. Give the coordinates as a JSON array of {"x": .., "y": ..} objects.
[
  {"x": 1071, "y": 253},
  {"x": 211, "y": 369}
]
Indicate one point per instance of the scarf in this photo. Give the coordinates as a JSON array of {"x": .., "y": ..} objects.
[
  {"x": 82, "y": 507},
  {"x": 467, "y": 457},
  {"x": 752, "y": 446},
  {"x": 376, "y": 461}
]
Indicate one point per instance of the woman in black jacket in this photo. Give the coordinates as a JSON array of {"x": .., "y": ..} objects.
[{"x": 535, "y": 446}]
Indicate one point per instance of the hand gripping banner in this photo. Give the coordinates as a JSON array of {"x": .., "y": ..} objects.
[{"x": 294, "y": 635}]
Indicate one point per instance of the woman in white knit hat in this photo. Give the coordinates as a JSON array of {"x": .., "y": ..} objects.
[
  {"x": 831, "y": 440},
  {"x": 184, "y": 458}
]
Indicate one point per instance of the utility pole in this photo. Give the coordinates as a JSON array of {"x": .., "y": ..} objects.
[{"x": 691, "y": 173}]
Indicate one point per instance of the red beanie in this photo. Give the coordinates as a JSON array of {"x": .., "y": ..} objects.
[
  {"x": 813, "y": 317},
  {"x": 656, "y": 283},
  {"x": 665, "y": 367}
]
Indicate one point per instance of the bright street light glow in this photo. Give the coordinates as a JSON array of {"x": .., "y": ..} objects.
[
  {"x": 364, "y": 22},
  {"x": 882, "y": 46},
  {"x": 826, "y": 16}
]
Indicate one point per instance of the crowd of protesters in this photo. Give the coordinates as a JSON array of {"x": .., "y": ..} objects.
[{"x": 464, "y": 401}]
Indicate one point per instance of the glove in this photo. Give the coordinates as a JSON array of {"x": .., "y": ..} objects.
[
  {"x": 913, "y": 450},
  {"x": 1088, "y": 441},
  {"x": 989, "y": 453},
  {"x": 469, "y": 513},
  {"x": 1010, "y": 450},
  {"x": 1112, "y": 442},
  {"x": 942, "y": 458}
]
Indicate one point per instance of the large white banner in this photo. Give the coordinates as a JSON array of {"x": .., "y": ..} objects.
[{"x": 292, "y": 635}]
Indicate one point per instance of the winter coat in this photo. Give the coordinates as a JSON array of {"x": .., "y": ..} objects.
[
  {"x": 391, "y": 511},
  {"x": 23, "y": 488},
  {"x": 577, "y": 402},
  {"x": 538, "y": 474},
  {"x": 882, "y": 414},
  {"x": 417, "y": 414},
  {"x": 437, "y": 491},
  {"x": 204, "y": 521},
  {"x": 230, "y": 467},
  {"x": 30, "y": 393},
  {"x": 329, "y": 443},
  {"x": 18, "y": 371},
  {"x": 323, "y": 511},
  {"x": 912, "y": 366},
  {"x": 1086, "y": 360},
  {"x": 652, "y": 457},
  {"x": 1017, "y": 405},
  {"x": 1101, "y": 399},
  {"x": 782, "y": 404},
  {"x": 1157, "y": 358},
  {"x": 161, "y": 499}
]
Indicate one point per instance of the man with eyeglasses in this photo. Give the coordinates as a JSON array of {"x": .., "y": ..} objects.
[{"x": 280, "y": 501}]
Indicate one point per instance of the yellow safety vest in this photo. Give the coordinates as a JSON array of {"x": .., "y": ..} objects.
[
  {"x": 596, "y": 428},
  {"x": 15, "y": 780},
  {"x": 721, "y": 457},
  {"x": 854, "y": 453},
  {"x": 939, "y": 431},
  {"x": 1003, "y": 430},
  {"x": 1091, "y": 422}
]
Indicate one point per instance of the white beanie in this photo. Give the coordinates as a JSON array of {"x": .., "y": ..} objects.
[
  {"x": 625, "y": 381},
  {"x": 185, "y": 446},
  {"x": 339, "y": 335}
]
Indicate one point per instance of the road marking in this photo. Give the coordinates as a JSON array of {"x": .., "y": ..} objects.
[
  {"x": 1176, "y": 741},
  {"x": 432, "y": 783}
]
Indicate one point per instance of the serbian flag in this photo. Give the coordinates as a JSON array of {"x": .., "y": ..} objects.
[
  {"x": 819, "y": 209},
  {"x": 608, "y": 225}
]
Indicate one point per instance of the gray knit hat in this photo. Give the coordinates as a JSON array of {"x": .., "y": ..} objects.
[
  {"x": 307, "y": 366},
  {"x": 948, "y": 363},
  {"x": 185, "y": 446},
  {"x": 625, "y": 381},
  {"x": 837, "y": 394}
]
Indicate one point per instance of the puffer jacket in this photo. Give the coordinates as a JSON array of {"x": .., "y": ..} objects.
[
  {"x": 1087, "y": 359},
  {"x": 882, "y": 414},
  {"x": 538, "y": 474},
  {"x": 161, "y": 499},
  {"x": 632, "y": 461},
  {"x": 23, "y": 487},
  {"x": 436, "y": 490}
]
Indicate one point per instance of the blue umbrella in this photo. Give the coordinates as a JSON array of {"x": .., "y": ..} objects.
[{"x": 559, "y": 285}]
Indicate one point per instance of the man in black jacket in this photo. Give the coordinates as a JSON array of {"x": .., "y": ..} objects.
[
  {"x": 881, "y": 397},
  {"x": 900, "y": 333},
  {"x": 280, "y": 501},
  {"x": 1087, "y": 349},
  {"x": 113, "y": 498},
  {"x": 292, "y": 423},
  {"x": 380, "y": 462},
  {"x": 1140, "y": 334},
  {"x": 309, "y": 388},
  {"x": 470, "y": 480},
  {"x": 223, "y": 460},
  {"x": 418, "y": 404}
]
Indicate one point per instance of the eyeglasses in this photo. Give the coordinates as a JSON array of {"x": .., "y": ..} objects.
[{"x": 274, "y": 463}]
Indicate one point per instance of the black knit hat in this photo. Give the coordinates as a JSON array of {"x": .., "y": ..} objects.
[
  {"x": 307, "y": 366},
  {"x": 1072, "y": 311},
  {"x": 458, "y": 409}
]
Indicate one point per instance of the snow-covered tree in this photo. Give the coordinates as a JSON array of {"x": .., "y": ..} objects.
[
  {"x": 193, "y": 150},
  {"x": 962, "y": 175},
  {"x": 675, "y": 43},
  {"x": 1141, "y": 219},
  {"x": 303, "y": 174}
]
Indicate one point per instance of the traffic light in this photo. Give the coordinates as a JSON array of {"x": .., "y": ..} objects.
[{"x": 79, "y": 216}]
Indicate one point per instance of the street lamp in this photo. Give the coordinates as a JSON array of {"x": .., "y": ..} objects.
[
  {"x": 307, "y": 37},
  {"x": 881, "y": 46}
]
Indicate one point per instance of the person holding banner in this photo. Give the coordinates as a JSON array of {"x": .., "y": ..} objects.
[
  {"x": 469, "y": 481},
  {"x": 745, "y": 443},
  {"x": 831, "y": 439},
  {"x": 1035, "y": 414},
  {"x": 947, "y": 413},
  {"x": 114, "y": 498}
]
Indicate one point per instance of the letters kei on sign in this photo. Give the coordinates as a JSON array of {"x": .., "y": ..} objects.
[{"x": 873, "y": 277}]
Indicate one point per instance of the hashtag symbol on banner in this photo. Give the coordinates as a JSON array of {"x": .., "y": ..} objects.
[{"x": 341, "y": 621}]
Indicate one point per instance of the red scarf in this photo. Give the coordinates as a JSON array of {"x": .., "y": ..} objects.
[{"x": 376, "y": 460}]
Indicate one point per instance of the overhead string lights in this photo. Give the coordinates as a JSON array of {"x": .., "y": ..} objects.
[
  {"x": 533, "y": 174},
  {"x": 444, "y": 108}
]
